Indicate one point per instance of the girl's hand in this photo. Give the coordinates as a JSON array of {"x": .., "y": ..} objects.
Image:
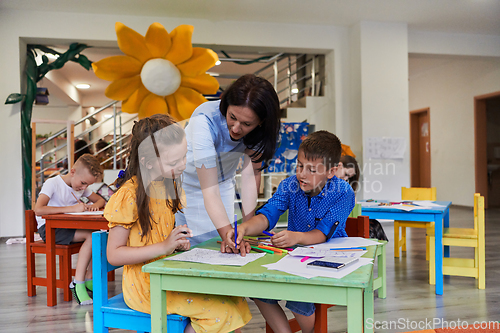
[
  {"x": 78, "y": 208},
  {"x": 178, "y": 239},
  {"x": 285, "y": 238}
]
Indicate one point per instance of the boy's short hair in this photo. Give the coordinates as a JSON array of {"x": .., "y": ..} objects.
[
  {"x": 91, "y": 163},
  {"x": 322, "y": 144}
]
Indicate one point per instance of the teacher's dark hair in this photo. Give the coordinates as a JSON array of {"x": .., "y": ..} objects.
[{"x": 259, "y": 95}]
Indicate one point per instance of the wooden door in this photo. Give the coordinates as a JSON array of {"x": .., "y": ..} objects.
[{"x": 420, "y": 148}]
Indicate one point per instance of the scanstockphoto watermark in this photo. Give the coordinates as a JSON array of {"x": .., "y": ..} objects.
[{"x": 429, "y": 324}]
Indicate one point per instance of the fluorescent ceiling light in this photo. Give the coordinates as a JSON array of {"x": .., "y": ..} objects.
[
  {"x": 213, "y": 74},
  {"x": 107, "y": 115},
  {"x": 83, "y": 86},
  {"x": 295, "y": 91},
  {"x": 217, "y": 63}
]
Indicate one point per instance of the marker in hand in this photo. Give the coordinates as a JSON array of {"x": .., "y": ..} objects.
[
  {"x": 267, "y": 233},
  {"x": 235, "y": 231}
]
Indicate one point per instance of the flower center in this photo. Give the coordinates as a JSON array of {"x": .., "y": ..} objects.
[{"x": 160, "y": 76}]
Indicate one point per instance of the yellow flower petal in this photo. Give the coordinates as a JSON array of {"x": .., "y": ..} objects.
[
  {"x": 187, "y": 100},
  {"x": 132, "y": 104},
  {"x": 132, "y": 43},
  {"x": 121, "y": 89},
  {"x": 151, "y": 105},
  {"x": 201, "y": 60},
  {"x": 204, "y": 83},
  {"x": 172, "y": 107},
  {"x": 181, "y": 49},
  {"x": 158, "y": 40},
  {"x": 116, "y": 67}
]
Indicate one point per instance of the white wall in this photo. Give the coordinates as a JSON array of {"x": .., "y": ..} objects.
[
  {"x": 384, "y": 104},
  {"x": 448, "y": 89}
]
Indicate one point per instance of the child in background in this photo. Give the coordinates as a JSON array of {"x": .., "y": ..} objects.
[
  {"x": 62, "y": 194},
  {"x": 318, "y": 204},
  {"x": 348, "y": 170},
  {"x": 141, "y": 223}
]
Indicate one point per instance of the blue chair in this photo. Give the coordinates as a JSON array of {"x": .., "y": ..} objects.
[{"x": 113, "y": 312}]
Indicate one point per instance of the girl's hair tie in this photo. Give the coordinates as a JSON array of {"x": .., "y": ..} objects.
[{"x": 121, "y": 174}]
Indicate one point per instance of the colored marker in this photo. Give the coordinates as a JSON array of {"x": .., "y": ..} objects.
[
  {"x": 270, "y": 248},
  {"x": 235, "y": 231},
  {"x": 261, "y": 249},
  {"x": 267, "y": 233},
  {"x": 350, "y": 249},
  {"x": 304, "y": 259}
]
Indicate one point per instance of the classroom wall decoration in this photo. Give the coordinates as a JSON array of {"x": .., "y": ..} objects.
[
  {"x": 285, "y": 157},
  {"x": 160, "y": 72}
]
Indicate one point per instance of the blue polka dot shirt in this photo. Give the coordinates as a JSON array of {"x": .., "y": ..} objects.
[{"x": 326, "y": 211}]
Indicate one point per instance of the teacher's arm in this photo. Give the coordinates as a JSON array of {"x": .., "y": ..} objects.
[
  {"x": 212, "y": 200},
  {"x": 250, "y": 184}
]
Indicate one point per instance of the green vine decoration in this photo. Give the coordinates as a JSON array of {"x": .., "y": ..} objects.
[{"x": 34, "y": 74}]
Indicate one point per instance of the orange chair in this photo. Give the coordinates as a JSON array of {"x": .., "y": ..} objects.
[
  {"x": 464, "y": 237},
  {"x": 355, "y": 227},
  {"x": 63, "y": 251},
  {"x": 413, "y": 193}
]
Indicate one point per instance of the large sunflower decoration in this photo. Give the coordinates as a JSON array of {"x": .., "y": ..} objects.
[{"x": 159, "y": 73}]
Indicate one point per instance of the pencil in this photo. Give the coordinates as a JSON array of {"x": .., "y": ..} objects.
[{"x": 74, "y": 196}]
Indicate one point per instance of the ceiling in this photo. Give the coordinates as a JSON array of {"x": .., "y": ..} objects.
[{"x": 449, "y": 16}]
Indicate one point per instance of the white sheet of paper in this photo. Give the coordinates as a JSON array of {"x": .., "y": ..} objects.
[
  {"x": 98, "y": 212},
  {"x": 293, "y": 265},
  {"x": 426, "y": 203},
  {"x": 344, "y": 242},
  {"x": 319, "y": 253},
  {"x": 213, "y": 257}
]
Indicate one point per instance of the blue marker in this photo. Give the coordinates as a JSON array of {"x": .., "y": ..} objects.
[
  {"x": 235, "y": 230},
  {"x": 267, "y": 233}
]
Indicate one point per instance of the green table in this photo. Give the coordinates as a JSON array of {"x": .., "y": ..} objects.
[{"x": 252, "y": 280}]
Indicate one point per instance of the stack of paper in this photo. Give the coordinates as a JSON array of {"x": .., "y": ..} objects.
[{"x": 213, "y": 257}]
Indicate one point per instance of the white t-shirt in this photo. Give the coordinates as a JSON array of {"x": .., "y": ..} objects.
[{"x": 60, "y": 195}]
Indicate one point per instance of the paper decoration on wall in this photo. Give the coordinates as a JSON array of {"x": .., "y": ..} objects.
[
  {"x": 159, "y": 73},
  {"x": 285, "y": 157},
  {"x": 385, "y": 148}
]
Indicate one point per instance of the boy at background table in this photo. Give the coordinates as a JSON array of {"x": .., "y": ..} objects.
[
  {"x": 62, "y": 194},
  {"x": 318, "y": 204}
]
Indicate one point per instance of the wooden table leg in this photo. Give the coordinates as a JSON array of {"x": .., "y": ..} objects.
[{"x": 50, "y": 256}]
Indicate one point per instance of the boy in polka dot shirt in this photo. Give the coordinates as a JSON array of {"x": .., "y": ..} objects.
[{"x": 318, "y": 204}]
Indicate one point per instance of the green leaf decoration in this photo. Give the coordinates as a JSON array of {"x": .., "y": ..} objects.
[
  {"x": 14, "y": 98},
  {"x": 34, "y": 74}
]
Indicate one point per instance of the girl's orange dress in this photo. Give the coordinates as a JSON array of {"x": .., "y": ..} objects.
[{"x": 208, "y": 313}]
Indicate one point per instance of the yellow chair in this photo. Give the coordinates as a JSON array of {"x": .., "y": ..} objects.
[
  {"x": 467, "y": 238},
  {"x": 413, "y": 193}
]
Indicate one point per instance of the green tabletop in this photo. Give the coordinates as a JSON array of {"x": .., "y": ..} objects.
[{"x": 252, "y": 280}]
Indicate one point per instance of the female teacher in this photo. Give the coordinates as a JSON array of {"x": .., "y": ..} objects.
[{"x": 244, "y": 122}]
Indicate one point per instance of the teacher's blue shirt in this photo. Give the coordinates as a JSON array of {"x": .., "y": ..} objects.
[{"x": 327, "y": 211}]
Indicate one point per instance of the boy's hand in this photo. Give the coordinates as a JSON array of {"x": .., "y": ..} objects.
[
  {"x": 91, "y": 208},
  {"x": 79, "y": 207},
  {"x": 285, "y": 238}
]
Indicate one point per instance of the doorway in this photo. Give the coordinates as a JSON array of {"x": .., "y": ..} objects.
[
  {"x": 420, "y": 148},
  {"x": 487, "y": 147}
]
